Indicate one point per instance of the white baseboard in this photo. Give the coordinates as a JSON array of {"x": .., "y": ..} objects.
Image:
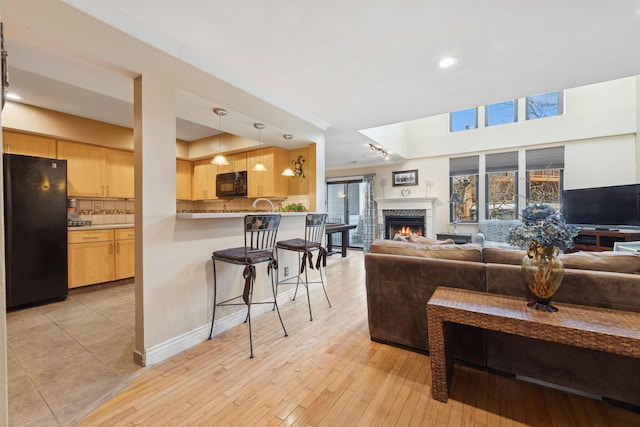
[{"x": 180, "y": 343}]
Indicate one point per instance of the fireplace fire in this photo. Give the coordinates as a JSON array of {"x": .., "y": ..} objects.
[
  {"x": 407, "y": 231},
  {"x": 404, "y": 225}
]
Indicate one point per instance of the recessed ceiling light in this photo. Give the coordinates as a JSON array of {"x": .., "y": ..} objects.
[
  {"x": 447, "y": 62},
  {"x": 13, "y": 96}
]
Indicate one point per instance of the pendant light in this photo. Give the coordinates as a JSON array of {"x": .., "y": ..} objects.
[
  {"x": 219, "y": 159},
  {"x": 259, "y": 167},
  {"x": 288, "y": 171}
]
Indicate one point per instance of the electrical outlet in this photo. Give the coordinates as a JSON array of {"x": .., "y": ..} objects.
[
  {"x": 97, "y": 207},
  {"x": 286, "y": 271}
]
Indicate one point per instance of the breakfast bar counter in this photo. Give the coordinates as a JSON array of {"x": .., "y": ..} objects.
[
  {"x": 220, "y": 215},
  {"x": 198, "y": 235}
]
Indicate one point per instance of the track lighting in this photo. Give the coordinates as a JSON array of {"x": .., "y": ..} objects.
[{"x": 378, "y": 150}]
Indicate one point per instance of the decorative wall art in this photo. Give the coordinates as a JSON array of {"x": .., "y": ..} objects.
[
  {"x": 297, "y": 167},
  {"x": 405, "y": 178}
]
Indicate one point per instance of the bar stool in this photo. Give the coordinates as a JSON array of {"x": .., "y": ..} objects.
[
  {"x": 259, "y": 241},
  {"x": 313, "y": 238}
]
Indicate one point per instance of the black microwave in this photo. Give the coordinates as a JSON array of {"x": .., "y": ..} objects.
[{"x": 232, "y": 184}]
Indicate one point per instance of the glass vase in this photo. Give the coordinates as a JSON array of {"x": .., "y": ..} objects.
[{"x": 542, "y": 272}]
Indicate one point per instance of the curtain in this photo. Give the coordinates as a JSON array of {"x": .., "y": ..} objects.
[{"x": 369, "y": 225}]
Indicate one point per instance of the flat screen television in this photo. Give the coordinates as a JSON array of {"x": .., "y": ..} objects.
[{"x": 603, "y": 207}]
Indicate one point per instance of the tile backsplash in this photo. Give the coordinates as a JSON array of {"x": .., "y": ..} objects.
[
  {"x": 100, "y": 211},
  {"x": 239, "y": 204}
]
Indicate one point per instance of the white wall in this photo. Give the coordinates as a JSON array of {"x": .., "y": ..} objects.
[
  {"x": 598, "y": 131},
  {"x": 600, "y": 162},
  {"x": 603, "y": 109}
]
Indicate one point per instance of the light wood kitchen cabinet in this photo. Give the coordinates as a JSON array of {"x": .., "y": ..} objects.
[
  {"x": 91, "y": 257},
  {"x": 125, "y": 258},
  {"x": 28, "y": 145},
  {"x": 270, "y": 183},
  {"x": 97, "y": 256},
  {"x": 94, "y": 171},
  {"x": 118, "y": 178},
  {"x": 184, "y": 173},
  {"x": 85, "y": 168},
  {"x": 237, "y": 163},
  {"x": 204, "y": 180}
]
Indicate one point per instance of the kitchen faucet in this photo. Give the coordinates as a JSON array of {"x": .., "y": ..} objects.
[{"x": 255, "y": 203}]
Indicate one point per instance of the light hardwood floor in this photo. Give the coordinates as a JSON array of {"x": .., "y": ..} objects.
[{"x": 329, "y": 373}]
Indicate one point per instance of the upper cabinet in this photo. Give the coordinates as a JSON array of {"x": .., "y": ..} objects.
[
  {"x": 237, "y": 163},
  {"x": 119, "y": 178},
  {"x": 270, "y": 183},
  {"x": 204, "y": 180},
  {"x": 94, "y": 171},
  {"x": 28, "y": 145},
  {"x": 85, "y": 168},
  {"x": 184, "y": 172}
]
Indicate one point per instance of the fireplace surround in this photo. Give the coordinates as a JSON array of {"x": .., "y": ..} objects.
[{"x": 406, "y": 207}]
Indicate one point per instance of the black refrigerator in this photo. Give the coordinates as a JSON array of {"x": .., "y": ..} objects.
[{"x": 35, "y": 226}]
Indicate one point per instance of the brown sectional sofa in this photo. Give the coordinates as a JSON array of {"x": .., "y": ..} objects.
[{"x": 401, "y": 276}]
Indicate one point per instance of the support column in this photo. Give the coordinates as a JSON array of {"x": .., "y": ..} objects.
[{"x": 155, "y": 183}]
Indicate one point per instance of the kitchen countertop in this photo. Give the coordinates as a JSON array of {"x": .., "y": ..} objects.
[
  {"x": 205, "y": 215},
  {"x": 100, "y": 227}
]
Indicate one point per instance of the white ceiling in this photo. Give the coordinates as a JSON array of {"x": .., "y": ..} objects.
[{"x": 340, "y": 65}]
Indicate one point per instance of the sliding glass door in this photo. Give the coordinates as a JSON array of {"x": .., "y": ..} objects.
[{"x": 345, "y": 205}]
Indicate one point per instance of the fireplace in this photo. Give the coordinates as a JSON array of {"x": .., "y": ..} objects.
[
  {"x": 404, "y": 225},
  {"x": 406, "y": 207},
  {"x": 404, "y": 222}
]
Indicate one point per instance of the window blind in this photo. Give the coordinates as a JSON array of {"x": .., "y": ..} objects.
[
  {"x": 545, "y": 158},
  {"x": 501, "y": 162},
  {"x": 464, "y": 166}
]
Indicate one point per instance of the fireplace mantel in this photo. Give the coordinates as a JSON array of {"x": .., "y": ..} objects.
[
  {"x": 408, "y": 200},
  {"x": 397, "y": 203}
]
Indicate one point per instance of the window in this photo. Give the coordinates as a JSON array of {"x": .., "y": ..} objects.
[
  {"x": 463, "y": 119},
  {"x": 502, "y": 179},
  {"x": 545, "y": 176},
  {"x": 545, "y": 105},
  {"x": 501, "y": 113},
  {"x": 463, "y": 175}
]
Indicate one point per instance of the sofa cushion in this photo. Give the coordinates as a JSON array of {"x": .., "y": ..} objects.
[
  {"x": 512, "y": 256},
  {"x": 466, "y": 252},
  {"x": 616, "y": 262},
  {"x": 399, "y": 238},
  {"x": 414, "y": 238}
]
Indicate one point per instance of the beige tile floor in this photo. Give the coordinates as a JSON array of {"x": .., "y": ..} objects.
[{"x": 66, "y": 356}]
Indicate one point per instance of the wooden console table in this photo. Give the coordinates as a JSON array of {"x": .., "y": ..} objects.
[{"x": 613, "y": 331}]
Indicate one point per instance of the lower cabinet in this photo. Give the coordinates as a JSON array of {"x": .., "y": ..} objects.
[
  {"x": 97, "y": 256},
  {"x": 125, "y": 257}
]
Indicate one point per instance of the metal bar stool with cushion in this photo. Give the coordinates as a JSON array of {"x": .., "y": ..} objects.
[
  {"x": 259, "y": 241},
  {"x": 313, "y": 238}
]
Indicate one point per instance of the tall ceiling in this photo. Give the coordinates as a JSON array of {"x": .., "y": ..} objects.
[{"x": 343, "y": 66}]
